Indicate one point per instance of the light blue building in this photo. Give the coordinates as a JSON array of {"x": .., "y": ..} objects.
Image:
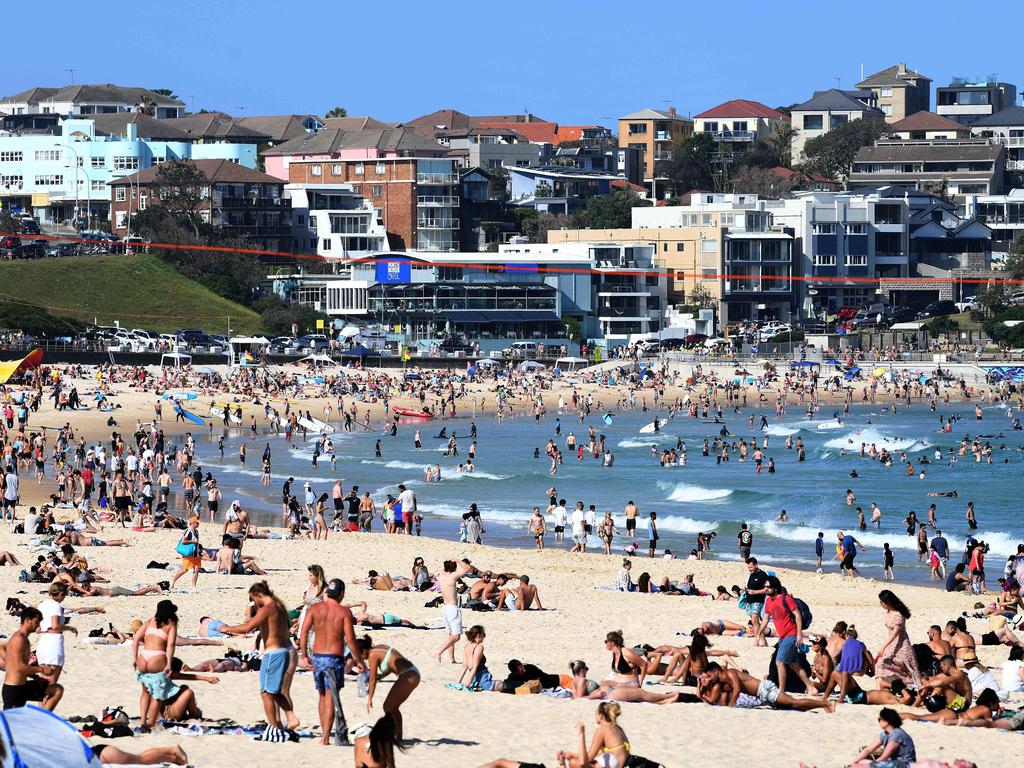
[{"x": 63, "y": 174}]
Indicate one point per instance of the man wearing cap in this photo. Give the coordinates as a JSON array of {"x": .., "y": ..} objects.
[{"x": 333, "y": 627}]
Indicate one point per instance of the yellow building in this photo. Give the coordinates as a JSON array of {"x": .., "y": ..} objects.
[{"x": 655, "y": 133}]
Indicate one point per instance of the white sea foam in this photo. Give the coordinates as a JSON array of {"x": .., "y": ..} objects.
[
  {"x": 641, "y": 443},
  {"x": 851, "y": 442},
  {"x": 677, "y": 524},
  {"x": 690, "y": 493},
  {"x": 780, "y": 430}
]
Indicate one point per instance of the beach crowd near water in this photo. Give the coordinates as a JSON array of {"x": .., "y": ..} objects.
[{"x": 164, "y": 536}]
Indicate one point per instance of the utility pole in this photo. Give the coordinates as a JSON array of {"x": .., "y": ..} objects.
[{"x": 72, "y": 72}]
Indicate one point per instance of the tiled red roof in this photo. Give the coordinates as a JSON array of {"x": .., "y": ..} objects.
[
  {"x": 536, "y": 132},
  {"x": 623, "y": 184},
  {"x": 786, "y": 173},
  {"x": 573, "y": 132},
  {"x": 926, "y": 121},
  {"x": 743, "y": 108}
]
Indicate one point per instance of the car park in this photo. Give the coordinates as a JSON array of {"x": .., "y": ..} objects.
[{"x": 937, "y": 309}]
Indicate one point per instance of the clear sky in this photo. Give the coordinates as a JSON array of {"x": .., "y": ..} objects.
[{"x": 565, "y": 60}]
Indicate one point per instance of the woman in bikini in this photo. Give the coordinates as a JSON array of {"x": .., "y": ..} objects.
[
  {"x": 609, "y": 748},
  {"x": 152, "y": 661},
  {"x": 628, "y": 666},
  {"x": 382, "y": 660},
  {"x": 385, "y": 619},
  {"x": 693, "y": 662}
]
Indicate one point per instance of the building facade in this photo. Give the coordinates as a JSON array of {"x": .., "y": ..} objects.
[
  {"x": 925, "y": 126},
  {"x": 655, "y": 133},
  {"x": 826, "y": 111},
  {"x": 94, "y": 99},
  {"x": 899, "y": 91},
  {"x": 964, "y": 101},
  {"x": 956, "y": 167},
  {"x": 334, "y": 222},
  {"x": 740, "y": 122}
]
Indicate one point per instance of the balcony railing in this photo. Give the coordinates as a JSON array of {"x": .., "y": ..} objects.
[
  {"x": 1009, "y": 141},
  {"x": 228, "y": 201},
  {"x": 440, "y": 201},
  {"x": 437, "y": 223},
  {"x": 1015, "y": 165},
  {"x": 437, "y": 178},
  {"x": 662, "y": 154},
  {"x": 663, "y": 135},
  {"x": 734, "y": 135}
]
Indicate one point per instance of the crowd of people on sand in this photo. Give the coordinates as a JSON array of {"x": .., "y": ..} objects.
[{"x": 128, "y": 482}]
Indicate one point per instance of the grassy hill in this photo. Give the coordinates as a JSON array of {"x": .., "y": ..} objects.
[{"x": 139, "y": 291}]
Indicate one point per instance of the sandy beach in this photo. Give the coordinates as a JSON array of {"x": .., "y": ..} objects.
[{"x": 458, "y": 729}]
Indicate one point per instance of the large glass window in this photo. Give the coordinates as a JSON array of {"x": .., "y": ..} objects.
[{"x": 813, "y": 122}]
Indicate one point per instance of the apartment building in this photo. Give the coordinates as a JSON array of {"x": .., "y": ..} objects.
[
  {"x": 557, "y": 189},
  {"x": 62, "y": 172},
  {"x": 1002, "y": 214},
  {"x": 965, "y": 101},
  {"x": 899, "y": 91},
  {"x": 417, "y": 198},
  {"x": 655, "y": 133},
  {"x": 334, "y": 222},
  {"x": 826, "y": 111},
  {"x": 1006, "y": 127},
  {"x": 91, "y": 100},
  {"x": 487, "y": 147},
  {"x": 241, "y": 202},
  {"x": 740, "y": 122},
  {"x": 925, "y": 126},
  {"x": 958, "y": 166}
]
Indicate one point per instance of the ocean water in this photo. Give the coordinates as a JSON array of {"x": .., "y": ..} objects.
[{"x": 702, "y": 496}]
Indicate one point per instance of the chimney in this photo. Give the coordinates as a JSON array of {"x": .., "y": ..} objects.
[
  {"x": 901, "y": 69},
  {"x": 672, "y": 111}
]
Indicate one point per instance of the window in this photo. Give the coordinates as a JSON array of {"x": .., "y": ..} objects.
[
  {"x": 637, "y": 129},
  {"x": 376, "y": 190},
  {"x": 739, "y": 125},
  {"x": 855, "y": 229},
  {"x": 853, "y": 260},
  {"x": 98, "y": 186},
  {"x": 11, "y": 181},
  {"x": 143, "y": 201},
  {"x": 120, "y": 220},
  {"x": 158, "y": 160},
  {"x": 381, "y": 169},
  {"x": 886, "y": 109},
  {"x": 813, "y": 122},
  {"x": 120, "y": 194},
  {"x": 204, "y": 216},
  {"x": 834, "y": 121},
  {"x": 708, "y": 246},
  {"x": 300, "y": 220},
  {"x": 336, "y": 170},
  {"x": 711, "y": 126},
  {"x": 98, "y": 162},
  {"x": 203, "y": 193},
  {"x": 45, "y": 155},
  {"x": 824, "y": 259},
  {"x": 679, "y": 247},
  {"x": 884, "y": 93},
  {"x": 11, "y": 157},
  {"x": 315, "y": 170},
  {"x": 824, "y": 229},
  {"x": 50, "y": 180},
  {"x": 126, "y": 163},
  {"x": 326, "y": 244},
  {"x": 360, "y": 168}
]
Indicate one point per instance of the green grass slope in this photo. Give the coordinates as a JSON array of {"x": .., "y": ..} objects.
[{"x": 139, "y": 291}]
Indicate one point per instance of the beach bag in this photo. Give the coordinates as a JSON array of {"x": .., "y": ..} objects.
[
  {"x": 528, "y": 688},
  {"x": 384, "y": 583},
  {"x": 636, "y": 761},
  {"x": 185, "y": 549}
]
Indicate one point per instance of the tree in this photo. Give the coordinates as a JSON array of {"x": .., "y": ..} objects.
[
  {"x": 277, "y": 317},
  {"x": 614, "y": 211},
  {"x": 180, "y": 190},
  {"x": 1014, "y": 263},
  {"x": 165, "y": 92},
  {"x": 764, "y": 183},
  {"x": 991, "y": 298},
  {"x": 832, "y": 154},
  {"x": 543, "y": 189},
  {"x": 7, "y": 225},
  {"x": 338, "y": 112},
  {"x": 497, "y": 183},
  {"x": 782, "y": 143},
  {"x": 692, "y": 163},
  {"x": 146, "y": 105},
  {"x": 701, "y": 298}
]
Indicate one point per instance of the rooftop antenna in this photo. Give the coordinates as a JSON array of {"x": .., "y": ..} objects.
[
  {"x": 862, "y": 71},
  {"x": 838, "y": 80},
  {"x": 241, "y": 109},
  {"x": 72, "y": 72}
]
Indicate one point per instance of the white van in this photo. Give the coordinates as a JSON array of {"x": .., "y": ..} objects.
[{"x": 521, "y": 349}]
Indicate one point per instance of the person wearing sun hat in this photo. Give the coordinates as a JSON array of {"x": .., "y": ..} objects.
[{"x": 191, "y": 552}]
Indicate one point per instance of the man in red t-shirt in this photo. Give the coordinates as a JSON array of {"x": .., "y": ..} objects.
[{"x": 785, "y": 615}]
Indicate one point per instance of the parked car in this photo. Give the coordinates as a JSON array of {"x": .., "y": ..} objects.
[
  {"x": 771, "y": 329},
  {"x": 28, "y": 226},
  {"x": 317, "y": 342},
  {"x": 1017, "y": 297},
  {"x": 694, "y": 339},
  {"x": 521, "y": 349},
  {"x": 280, "y": 345},
  {"x": 937, "y": 309},
  {"x": 969, "y": 305},
  {"x": 10, "y": 246}
]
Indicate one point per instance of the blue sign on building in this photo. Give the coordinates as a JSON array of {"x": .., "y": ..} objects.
[{"x": 393, "y": 271}]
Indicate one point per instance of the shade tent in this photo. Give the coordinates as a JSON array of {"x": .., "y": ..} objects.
[
  {"x": 531, "y": 365},
  {"x": 175, "y": 359},
  {"x": 570, "y": 363},
  {"x": 802, "y": 364},
  {"x": 9, "y": 368},
  {"x": 247, "y": 350},
  {"x": 318, "y": 360},
  {"x": 487, "y": 362},
  {"x": 349, "y": 331},
  {"x": 34, "y": 737}
]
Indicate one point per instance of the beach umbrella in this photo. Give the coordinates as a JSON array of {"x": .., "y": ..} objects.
[
  {"x": 36, "y": 737},
  {"x": 471, "y": 371},
  {"x": 878, "y": 372},
  {"x": 832, "y": 362}
]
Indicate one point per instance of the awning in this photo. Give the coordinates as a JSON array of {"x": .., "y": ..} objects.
[{"x": 500, "y": 316}]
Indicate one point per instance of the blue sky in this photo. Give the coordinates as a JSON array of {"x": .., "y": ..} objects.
[{"x": 568, "y": 61}]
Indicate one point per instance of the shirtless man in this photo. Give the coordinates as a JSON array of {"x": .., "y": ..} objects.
[
  {"x": 631, "y": 513},
  {"x": 332, "y": 624},
  {"x": 521, "y": 599},
  {"x": 24, "y": 682},
  {"x": 271, "y": 619},
  {"x": 233, "y": 535},
  {"x": 939, "y": 645},
  {"x": 951, "y": 683},
  {"x": 735, "y": 688},
  {"x": 453, "y": 571},
  {"x": 485, "y": 589}
]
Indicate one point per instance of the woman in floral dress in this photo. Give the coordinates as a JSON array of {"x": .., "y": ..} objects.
[{"x": 895, "y": 658}]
